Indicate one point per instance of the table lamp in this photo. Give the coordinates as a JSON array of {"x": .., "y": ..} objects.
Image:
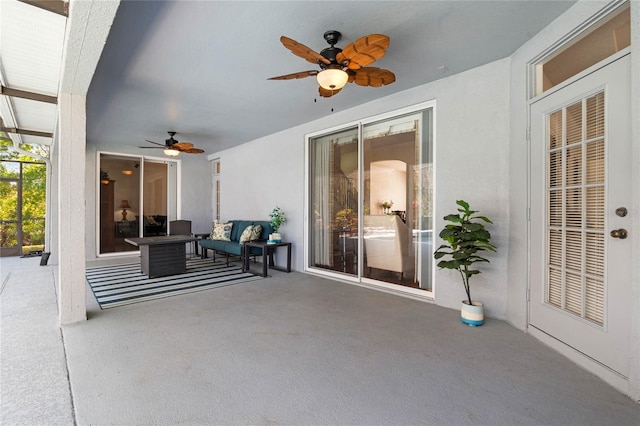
[{"x": 124, "y": 205}]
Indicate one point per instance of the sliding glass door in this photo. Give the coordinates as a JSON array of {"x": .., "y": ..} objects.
[
  {"x": 137, "y": 197},
  {"x": 334, "y": 202},
  {"x": 371, "y": 201}
]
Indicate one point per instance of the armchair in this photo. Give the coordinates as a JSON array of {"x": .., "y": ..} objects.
[{"x": 387, "y": 243}]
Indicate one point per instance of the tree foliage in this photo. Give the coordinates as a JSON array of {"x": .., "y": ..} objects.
[{"x": 29, "y": 177}]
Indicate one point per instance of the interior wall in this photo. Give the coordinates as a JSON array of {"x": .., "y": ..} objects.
[
  {"x": 388, "y": 182},
  {"x": 194, "y": 190},
  {"x": 472, "y": 131}
]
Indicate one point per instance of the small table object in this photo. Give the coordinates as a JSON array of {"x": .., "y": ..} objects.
[
  {"x": 267, "y": 256},
  {"x": 200, "y": 237},
  {"x": 162, "y": 256}
]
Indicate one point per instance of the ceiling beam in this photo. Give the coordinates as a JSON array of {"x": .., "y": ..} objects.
[
  {"x": 27, "y": 95},
  {"x": 26, "y": 132},
  {"x": 60, "y": 7}
]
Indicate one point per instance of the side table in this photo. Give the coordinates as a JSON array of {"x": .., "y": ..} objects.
[
  {"x": 267, "y": 256},
  {"x": 196, "y": 245}
]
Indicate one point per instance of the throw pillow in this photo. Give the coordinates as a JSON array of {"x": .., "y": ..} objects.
[
  {"x": 256, "y": 232},
  {"x": 246, "y": 234},
  {"x": 221, "y": 231}
]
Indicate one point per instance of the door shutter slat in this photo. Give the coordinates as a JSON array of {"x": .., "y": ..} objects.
[
  {"x": 576, "y": 212},
  {"x": 594, "y": 301},
  {"x": 574, "y": 123}
]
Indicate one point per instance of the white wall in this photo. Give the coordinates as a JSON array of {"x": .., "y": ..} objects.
[{"x": 472, "y": 154}]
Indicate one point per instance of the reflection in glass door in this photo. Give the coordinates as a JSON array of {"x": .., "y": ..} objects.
[
  {"x": 334, "y": 202},
  {"x": 371, "y": 202},
  {"x": 138, "y": 196},
  {"x": 120, "y": 207},
  {"x": 397, "y": 200}
]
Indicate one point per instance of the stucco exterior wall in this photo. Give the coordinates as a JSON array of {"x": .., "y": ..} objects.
[
  {"x": 471, "y": 151},
  {"x": 194, "y": 191}
]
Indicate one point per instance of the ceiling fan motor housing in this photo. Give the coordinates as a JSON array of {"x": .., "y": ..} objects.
[
  {"x": 330, "y": 53},
  {"x": 332, "y": 37},
  {"x": 171, "y": 140}
]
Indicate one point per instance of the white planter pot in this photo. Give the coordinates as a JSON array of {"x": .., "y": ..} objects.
[
  {"x": 275, "y": 237},
  {"x": 473, "y": 315}
]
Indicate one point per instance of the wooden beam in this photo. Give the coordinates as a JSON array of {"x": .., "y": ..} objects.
[
  {"x": 26, "y": 132},
  {"x": 27, "y": 95},
  {"x": 60, "y": 7}
]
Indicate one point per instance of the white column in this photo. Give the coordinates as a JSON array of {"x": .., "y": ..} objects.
[{"x": 71, "y": 208}]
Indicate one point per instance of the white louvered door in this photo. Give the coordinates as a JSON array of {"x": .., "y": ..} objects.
[{"x": 580, "y": 174}]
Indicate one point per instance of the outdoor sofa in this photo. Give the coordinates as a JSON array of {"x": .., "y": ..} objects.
[{"x": 233, "y": 247}]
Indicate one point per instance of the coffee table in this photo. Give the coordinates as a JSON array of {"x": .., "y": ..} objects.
[{"x": 163, "y": 255}]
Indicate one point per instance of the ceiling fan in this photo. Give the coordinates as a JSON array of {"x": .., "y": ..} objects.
[
  {"x": 341, "y": 66},
  {"x": 173, "y": 148}
]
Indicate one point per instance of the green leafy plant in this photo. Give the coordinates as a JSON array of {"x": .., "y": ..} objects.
[
  {"x": 465, "y": 237},
  {"x": 346, "y": 220},
  {"x": 277, "y": 218}
]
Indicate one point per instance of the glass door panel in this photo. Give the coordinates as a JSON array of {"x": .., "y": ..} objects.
[
  {"x": 119, "y": 202},
  {"x": 9, "y": 191},
  {"x": 34, "y": 193},
  {"x": 334, "y": 202},
  {"x": 371, "y": 203},
  {"x": 392, "y": 223},
  {"x": 155, "y": 184},
  {"x": 22, "y": 207}
]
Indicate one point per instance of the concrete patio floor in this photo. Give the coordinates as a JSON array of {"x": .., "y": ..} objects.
[{"x": 289, "y": 349}]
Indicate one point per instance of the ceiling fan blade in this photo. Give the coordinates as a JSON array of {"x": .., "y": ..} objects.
[
  {"x": 303, "y": 51},
  {"x": 372, "y": 76},
  {"x": 301, "y": 74},
  {"x": 161, "y": 144},
  {"x": 152, "y": 147},
  {"x": 364, "y": 51},
  {"x": 182, "y": 145},
  {"x": 326, "y": 93},
  {"x": 193, "y": 150}
]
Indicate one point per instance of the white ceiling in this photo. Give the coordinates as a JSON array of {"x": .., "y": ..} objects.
[
  {"x": 201, "y": 67},
  {"x": 31, "y": 43}
]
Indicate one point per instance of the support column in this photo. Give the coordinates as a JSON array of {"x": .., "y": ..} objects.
[{"x": 71, "y": 151}]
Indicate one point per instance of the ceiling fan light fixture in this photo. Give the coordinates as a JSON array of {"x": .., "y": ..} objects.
[
  {"x": 332, "y": 78},
  {"x": 171, "y": 152}
]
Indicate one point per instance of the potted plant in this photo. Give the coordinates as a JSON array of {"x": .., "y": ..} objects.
[
  {"x": 466, "y": 236},
  {"x": 277, "y": 218},
  {"x": 386, "y": 206}
]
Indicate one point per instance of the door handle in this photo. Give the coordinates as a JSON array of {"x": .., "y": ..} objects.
[{"x": 619, "y": 233}]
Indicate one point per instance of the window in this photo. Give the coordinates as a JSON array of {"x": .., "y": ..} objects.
[
  {"x": 607, "y": 37},
  {"x": 216, "y": 190}
]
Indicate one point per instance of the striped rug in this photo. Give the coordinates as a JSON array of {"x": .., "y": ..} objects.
[{"x": 119, "y": 285}]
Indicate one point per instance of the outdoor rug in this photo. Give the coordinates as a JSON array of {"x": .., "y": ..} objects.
[{"x": 119, "y": 285}]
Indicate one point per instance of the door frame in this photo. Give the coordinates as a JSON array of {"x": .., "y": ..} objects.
[
  {"x": 177, "y": 197},
  {"x": 358, "y": 279},
  {"x": 631, "y": 385}
]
